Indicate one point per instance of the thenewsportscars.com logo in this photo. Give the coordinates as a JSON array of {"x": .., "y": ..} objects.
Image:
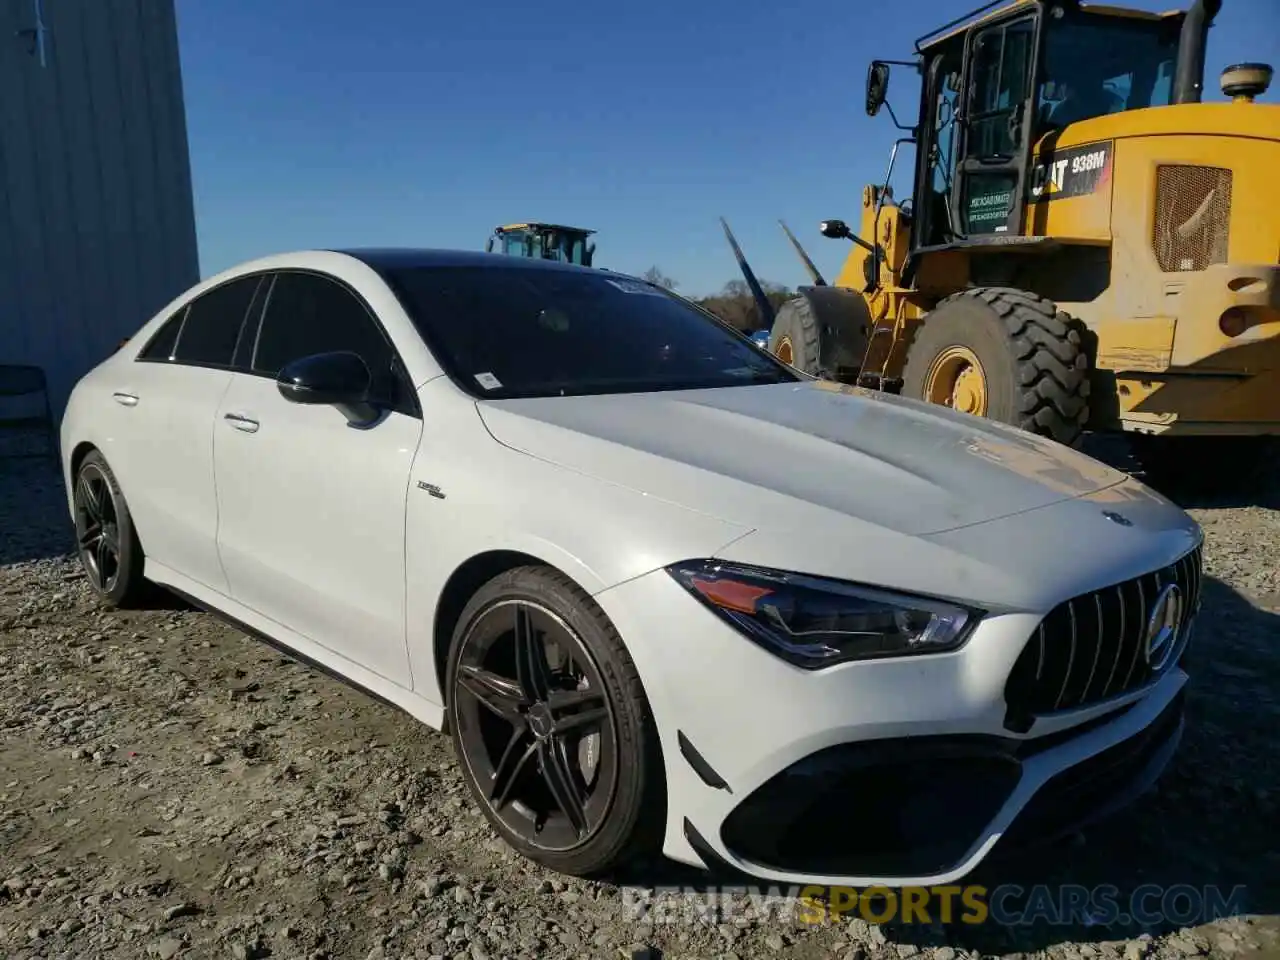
[{"x": 1006, "y": 905}]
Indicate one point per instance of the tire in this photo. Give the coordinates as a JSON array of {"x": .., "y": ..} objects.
[
  {"x": 625, "y": 803},
  {"x": 794, "y": 338},
  {"x": 1032, "y": 357},
  {"x": 119, "y": 580}
]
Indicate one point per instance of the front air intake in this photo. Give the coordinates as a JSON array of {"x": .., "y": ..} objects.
[{"x": 1193, "y": 216}]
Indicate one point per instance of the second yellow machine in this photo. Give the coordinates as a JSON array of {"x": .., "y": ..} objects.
[{"x": 1087, "y": 243}]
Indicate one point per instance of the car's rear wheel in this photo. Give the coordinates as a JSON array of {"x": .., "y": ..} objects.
[
  {"x": 551, "y": 725},
  {"x": 106, "y": 541}
]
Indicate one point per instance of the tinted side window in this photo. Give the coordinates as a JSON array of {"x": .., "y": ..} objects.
[
  {"x": 162, "y": 344},
  {"x": 213, "y": 323},
  {"x": 307, "y": 314}
]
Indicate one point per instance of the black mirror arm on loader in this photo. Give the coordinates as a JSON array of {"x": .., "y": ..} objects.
[
  {"x": 894, "y": 117},
  {"x": 871, "y": 248},
  {"x": 839, "y": 230}
]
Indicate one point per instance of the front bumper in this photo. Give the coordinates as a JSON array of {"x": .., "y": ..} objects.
[
  {"x": 927, "y": 807},
  {"x": 900, "y": 772}
]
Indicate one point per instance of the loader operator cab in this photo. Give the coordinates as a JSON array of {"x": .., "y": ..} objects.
[
  {"x": 1056, "y": 63},
  {"x": 543, "y": 241}
]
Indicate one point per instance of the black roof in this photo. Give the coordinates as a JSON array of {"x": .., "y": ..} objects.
[{"x": 401, "y": 258}]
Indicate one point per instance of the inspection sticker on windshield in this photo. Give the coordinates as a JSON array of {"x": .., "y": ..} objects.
[
  {"x": 488, "y": 381},
  {"x": 632, "y": 286}
]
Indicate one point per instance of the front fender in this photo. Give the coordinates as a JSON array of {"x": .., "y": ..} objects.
[
  {"x": 490, "y": 497},
  {"x": 844, "y": 325}
]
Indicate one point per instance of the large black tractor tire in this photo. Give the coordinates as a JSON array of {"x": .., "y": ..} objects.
[
  {"x": 795, "y": 337},
  {"x": 1031, "y": 360}
]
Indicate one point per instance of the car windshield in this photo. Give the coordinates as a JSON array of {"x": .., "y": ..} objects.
[{"x": 506, "y": 332}]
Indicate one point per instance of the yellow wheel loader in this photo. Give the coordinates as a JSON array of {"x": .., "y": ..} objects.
[
  {"x": 543, "y": 241},
  {"x": 1087, "y": 244}
]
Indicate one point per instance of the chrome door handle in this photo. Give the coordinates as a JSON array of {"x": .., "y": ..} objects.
[
  {"x": 241, "y": 422},
  {"x": 126, "y": 399}
]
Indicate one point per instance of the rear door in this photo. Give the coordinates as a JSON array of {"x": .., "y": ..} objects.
[
  {"x": 163, "y": 405},
  {"x": 312, "y": 509}
]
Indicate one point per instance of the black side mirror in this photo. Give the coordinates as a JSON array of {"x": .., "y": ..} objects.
[
  {"x": 877, "y": 86},
  {"x": 340, "y": 379}
]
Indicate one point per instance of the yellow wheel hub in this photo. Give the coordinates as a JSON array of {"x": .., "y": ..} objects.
[
  {"x": 956, "y": 379},
  {"x": 784, "y": 351}
]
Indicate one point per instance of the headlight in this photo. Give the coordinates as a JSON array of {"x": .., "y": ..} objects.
[{"x": 814, "y": 622}]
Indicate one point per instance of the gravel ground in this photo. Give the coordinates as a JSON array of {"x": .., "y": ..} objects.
[{"x": 171, "y": 788}]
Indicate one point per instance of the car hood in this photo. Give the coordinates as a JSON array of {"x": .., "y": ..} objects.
[{"x": 753, "y": 454}]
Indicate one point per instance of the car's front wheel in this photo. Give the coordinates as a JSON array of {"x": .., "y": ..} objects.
[
  {"x": 551, "y": 725},
  {"x": 106, "y": 541}
]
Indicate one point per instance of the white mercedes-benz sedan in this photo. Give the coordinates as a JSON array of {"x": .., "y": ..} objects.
[{"x": 664, "y": 592}]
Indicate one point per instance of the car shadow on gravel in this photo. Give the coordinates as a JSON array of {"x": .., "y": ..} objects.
[{"x": 1197, "y": 847}]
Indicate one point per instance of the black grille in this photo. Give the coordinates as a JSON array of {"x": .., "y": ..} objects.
[{"x": 1093, "y": 647}]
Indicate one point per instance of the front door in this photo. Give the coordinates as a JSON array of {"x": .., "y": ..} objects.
[
  {"x": 937, "y": 160},
  {"x": 312, "y": 509},
  {"x": 997, "y": 127}
]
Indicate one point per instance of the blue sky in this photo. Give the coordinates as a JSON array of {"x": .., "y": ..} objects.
[{"x": 335, "y": 122}]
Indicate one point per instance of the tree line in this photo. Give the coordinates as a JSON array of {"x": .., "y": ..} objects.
[{"x": 733, "y": 303}]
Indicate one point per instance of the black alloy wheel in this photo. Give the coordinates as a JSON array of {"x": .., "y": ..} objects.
[
  {"x": 540, "y": 708},
  {"x": 537, "y": 727},
  {"x": 106, "y": 542},
  {"x": 97, "y": 528}
]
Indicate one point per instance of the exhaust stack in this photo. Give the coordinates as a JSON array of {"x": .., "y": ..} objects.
[{"x": 1188, "y": 81}]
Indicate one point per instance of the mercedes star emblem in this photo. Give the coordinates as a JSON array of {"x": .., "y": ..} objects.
[{"x": 1162, "y": 626}]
